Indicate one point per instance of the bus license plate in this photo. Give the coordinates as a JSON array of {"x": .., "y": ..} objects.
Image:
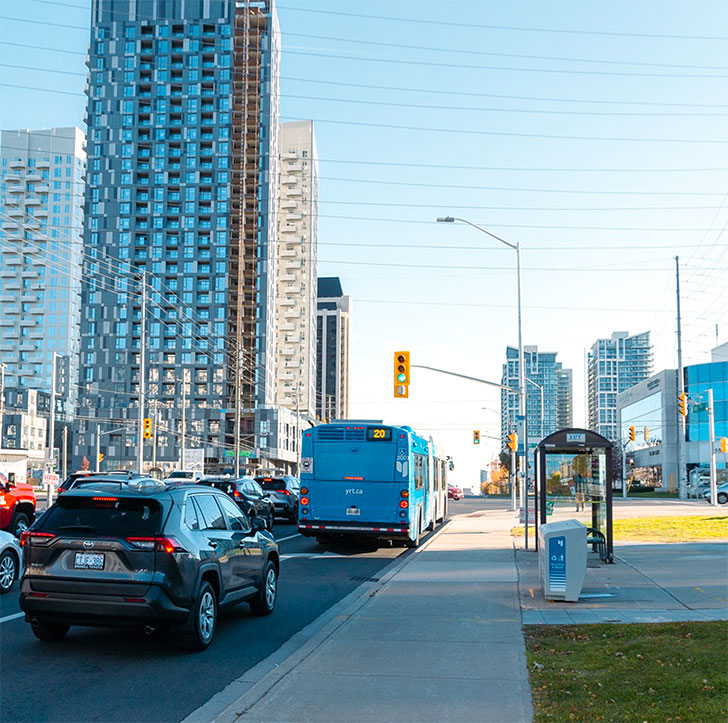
[
  {"x": 352, "y": 510},
  {"x": 89, "y": 561}
]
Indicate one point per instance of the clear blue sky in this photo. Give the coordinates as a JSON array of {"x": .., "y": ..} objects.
[{"x": 595, "y": 134}]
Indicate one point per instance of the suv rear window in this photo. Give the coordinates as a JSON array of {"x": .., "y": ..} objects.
[
  {"x": 271, "y": 483},
  {"x": 225, "y": 486},
  {"x": 103, "y": 516}
]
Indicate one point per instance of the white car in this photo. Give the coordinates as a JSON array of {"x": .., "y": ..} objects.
[
  {"x": 11, "y": 561},
  {"x": 183, "y": 475},
  {"x": 721, "y": 493}
]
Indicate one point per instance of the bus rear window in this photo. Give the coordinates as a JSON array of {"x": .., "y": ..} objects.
[
  {"x": 104, "y": 516},
  {"x": 379, "y": 434}
]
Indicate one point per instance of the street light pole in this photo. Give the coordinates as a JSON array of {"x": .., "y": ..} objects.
[{"x": 523, "y": 431}]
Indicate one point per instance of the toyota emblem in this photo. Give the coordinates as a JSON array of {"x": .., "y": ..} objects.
[{"x": 88, "y": 544}]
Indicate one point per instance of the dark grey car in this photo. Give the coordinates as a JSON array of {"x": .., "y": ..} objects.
[
  {"x": 284, "y": 491},
  {"x": 145, "y": 554}
]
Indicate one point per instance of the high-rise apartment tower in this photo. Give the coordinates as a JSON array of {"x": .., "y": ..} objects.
[
  {"x": 181, "y": 194},
  {"x": 296, "y": 293},
  {"x": 41, "y": 222},
  {"x": 614, "y": 365}
]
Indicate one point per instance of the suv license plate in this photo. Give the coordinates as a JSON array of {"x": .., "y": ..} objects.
[
  {"x": 89, "y": 561},
  {"x": 352, "y": 511}
]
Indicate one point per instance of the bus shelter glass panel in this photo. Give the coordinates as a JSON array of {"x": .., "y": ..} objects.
[{"x": 577, "y": 483}]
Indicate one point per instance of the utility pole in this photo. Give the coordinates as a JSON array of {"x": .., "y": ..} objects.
[
  {"x": 3, "y": 365},
  {"x": 185, "y": 378},
  {"x": 142, "y": 370},
  {"x": 238, "y": 384},
  {"x": 155, "y": 421},
  {"x": 65, "y": 451},
  {"x": 711, "y": 442},
  {"x": 50, "y": 456},
  {"x": 682, "y": 487}
]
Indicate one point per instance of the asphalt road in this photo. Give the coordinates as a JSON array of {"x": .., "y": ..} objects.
[{"x": 98, "y": 674}]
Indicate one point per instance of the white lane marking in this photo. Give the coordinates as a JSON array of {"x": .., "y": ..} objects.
[
  {"x": 8, "y": 618},
  {"x": 317, "y": 556},
  {"x": 290, "y": 537}
]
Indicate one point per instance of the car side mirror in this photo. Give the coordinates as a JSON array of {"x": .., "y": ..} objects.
[{"x": 258, "y": 524}]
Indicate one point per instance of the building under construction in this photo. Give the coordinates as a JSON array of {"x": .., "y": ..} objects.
[{"x": 183, "y": 107}]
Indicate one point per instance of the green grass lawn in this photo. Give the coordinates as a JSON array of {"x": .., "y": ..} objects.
[
  {"x": 640, "y": 672},
  {"x": 688, "y": 528},
  {"x": 662, "y": 529}
]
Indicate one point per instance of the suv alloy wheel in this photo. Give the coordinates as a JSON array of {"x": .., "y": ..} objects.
[
  {"x": 265, "y": 602},
  {"x": 204, "y": 618}
]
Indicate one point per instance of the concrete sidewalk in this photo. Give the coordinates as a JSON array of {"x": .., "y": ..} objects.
[{"x": 438, "y": 639}]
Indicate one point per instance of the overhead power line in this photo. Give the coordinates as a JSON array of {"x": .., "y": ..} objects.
[{"x": 441, "y": 22}]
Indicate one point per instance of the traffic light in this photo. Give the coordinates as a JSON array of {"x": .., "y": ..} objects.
[
  {"x": 682, "y": 404},
  {"x": 101, "y": 456},
  {"x": 647, "y": 433},
  {"x": 631, "y": 434},
  {"x": 401, "y": 374},
  {"x": 724, "y": 445},
  {"x": 147, "y": 428},
  {"x": 512, "y": 442},
  {"x": 476, "y": 436}
]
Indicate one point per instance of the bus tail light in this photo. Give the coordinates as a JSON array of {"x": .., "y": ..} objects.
[
  {"x": 304, "y": 501},
  {"x": 404, "y": 494},
  {"x": 404, "y": 504}
]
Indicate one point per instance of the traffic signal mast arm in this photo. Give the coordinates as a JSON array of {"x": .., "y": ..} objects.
[{"x": 465, "y": 376}]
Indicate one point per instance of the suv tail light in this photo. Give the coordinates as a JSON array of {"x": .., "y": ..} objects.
[
  {"x": 160, "y": 544},
  {"x": 286, "y": 492},
  {"x": 236, "y": 494},
  {"x": 39, "y": 538}
]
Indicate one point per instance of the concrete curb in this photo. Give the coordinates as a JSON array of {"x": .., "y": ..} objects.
[{"x": 243, "y": 693}]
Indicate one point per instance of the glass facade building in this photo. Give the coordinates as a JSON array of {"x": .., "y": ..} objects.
[
  {"x": 41, "y": 222},
  {"x": 182, "y": 149},
  {"x": 333, "y": 329},
  {"x": 698, "y": 379}
]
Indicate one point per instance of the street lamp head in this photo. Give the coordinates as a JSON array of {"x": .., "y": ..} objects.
[{"x": 445, "y": 219}]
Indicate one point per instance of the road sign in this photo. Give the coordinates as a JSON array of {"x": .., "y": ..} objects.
[{"x": 50, "y": 478}]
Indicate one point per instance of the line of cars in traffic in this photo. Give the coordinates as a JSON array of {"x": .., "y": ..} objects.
[{"x": 123, "y": 549}]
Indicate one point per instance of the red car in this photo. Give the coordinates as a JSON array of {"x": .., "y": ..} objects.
[
  {"x": 455, "y": 493},
  {"x": 17, "y": 505}
]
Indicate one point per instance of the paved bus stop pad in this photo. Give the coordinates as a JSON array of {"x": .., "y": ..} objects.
[{"x": 440, "y": 635}]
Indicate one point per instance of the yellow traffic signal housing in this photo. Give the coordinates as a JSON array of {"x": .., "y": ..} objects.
[
  {"x": 147, "y": 428},
  {"x": 512, "y": 442},
  {"x": 101, "y": 456},
  {"x": 647, "y": 433},
  {"x": 631, "y": 434},
  {"x": 682, "y": 404},
  {"x": 401, "y": 374},
  {"x": 476, "y": 436},
  {"x": 724, "y": 444}
]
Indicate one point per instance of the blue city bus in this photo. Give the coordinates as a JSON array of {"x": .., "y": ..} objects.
[{"x": 365, "y": 479}]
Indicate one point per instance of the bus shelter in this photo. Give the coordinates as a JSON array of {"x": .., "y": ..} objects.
[{"x": 574, "y": 467}]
